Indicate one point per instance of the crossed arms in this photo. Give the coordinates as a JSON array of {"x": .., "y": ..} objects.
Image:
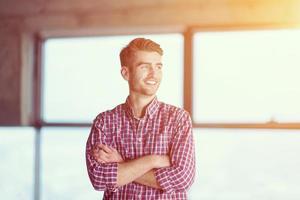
[
  {"x": 139, "y": 170},
  {"x": 174, "y": 172}
]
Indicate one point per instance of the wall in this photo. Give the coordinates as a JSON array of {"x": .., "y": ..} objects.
[{"x": 21, "y": 21}]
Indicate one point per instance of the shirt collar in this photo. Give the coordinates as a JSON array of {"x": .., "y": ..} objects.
[{"x": 150, "y": 110}]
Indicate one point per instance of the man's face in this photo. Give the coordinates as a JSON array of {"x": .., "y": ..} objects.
[{"x": 145, "y": 73}]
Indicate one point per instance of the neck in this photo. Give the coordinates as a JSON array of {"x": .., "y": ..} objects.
[{"x": 139, "y": 104}]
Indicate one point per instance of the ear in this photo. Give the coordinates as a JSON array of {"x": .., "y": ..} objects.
[{"x": 125, "y": 72}]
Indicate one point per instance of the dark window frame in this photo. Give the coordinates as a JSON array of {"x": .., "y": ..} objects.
[{"x": 188, "y": 33}]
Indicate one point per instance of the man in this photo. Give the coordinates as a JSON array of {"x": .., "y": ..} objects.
[{"x": 142, "y": 149}]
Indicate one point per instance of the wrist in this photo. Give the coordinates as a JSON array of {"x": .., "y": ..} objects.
[{"x": 153, "y": 161}]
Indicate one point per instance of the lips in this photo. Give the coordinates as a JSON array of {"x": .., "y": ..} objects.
[{"x": 151, "y": 82}]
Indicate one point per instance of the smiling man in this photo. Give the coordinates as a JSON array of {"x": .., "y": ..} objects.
[{"x": 142, "y": 149}]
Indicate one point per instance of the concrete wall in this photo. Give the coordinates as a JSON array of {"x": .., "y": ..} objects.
[
  {"x": 21, "y": 21},
  {"x": 10, "y": 74}
]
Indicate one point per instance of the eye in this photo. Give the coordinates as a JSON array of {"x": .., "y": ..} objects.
[
  {"x": 159, "y": 66},
  {"x": 144, "y": 66}
]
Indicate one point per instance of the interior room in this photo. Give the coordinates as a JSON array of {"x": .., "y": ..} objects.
[{"x": 233, "y": 65}]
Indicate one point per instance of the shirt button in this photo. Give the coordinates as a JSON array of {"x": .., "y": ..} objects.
[{"x": 139, "y": 139}]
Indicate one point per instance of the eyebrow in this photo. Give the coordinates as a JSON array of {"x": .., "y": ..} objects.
[{"x": 141, "y": 63}]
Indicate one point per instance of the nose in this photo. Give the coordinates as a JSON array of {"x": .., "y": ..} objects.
[{"x": 152, "y": 69}]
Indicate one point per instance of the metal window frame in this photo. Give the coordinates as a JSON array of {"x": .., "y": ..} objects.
[{"x": 188, "y": 33}]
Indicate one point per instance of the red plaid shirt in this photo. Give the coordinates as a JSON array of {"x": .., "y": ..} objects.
[{"x": 164, "y": 130}]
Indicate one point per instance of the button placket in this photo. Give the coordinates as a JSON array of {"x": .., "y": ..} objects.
[
  {"x": 139, "y": 139},
  {"x": 139, "y": 136},
  {"x": 140, "y": 196}
]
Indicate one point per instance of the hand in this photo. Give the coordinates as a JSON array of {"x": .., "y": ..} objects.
[{"x": 106, "y": 154}]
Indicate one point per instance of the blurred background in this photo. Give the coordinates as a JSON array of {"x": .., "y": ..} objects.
[{"x": 232, "y": 64}]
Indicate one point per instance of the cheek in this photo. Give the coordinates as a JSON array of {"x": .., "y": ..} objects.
[
  {"x": 135, "y": 78},
  {"x": 140, "y": 75},
  {"x": 159, "y": 74}
]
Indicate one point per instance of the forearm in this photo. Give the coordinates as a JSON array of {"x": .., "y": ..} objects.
[
  {"x": 141, "y": 169},
  {"x": 131, "y": 170},
  {"x": 148, "y": 179}
]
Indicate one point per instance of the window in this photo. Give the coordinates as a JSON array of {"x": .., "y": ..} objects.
[
  {"x": 246, "y": 164},
  {"x": 82, "y": 76},
  {"x": 17, "y": 163},
  {"x": 63, "y": 173},
  {"x": 238, "y": 77},
  {"x": 247, "y": 76}
]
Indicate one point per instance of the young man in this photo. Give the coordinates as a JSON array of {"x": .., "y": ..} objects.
[{"x": 142, "y": 149}]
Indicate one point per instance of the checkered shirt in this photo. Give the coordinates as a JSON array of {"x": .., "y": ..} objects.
[{"x": 164, "y": 130}]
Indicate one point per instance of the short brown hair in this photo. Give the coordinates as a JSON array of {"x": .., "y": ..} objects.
[{"x": 138, "y": 44}]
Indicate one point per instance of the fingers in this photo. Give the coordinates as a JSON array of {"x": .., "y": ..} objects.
[
  {"x": 114, "y": 150},
  {"x": 105, "y": 154},
  {"x": 101, "y": 156},
  {"x": 107, "y": 149}
]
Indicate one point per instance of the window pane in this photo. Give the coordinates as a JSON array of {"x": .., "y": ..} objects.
[
  {"x": 17, "y": 163},
  {"x": 249, "y": 76},
  {"x": 235, "y": 164},
  {"x": 64, "y": 174},
  {"x": 82, "y": 75}
]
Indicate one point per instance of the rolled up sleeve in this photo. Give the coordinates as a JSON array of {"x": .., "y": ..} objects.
[
  {"x": 180, "y": 175},
  {"x": 102, "y": 176}
]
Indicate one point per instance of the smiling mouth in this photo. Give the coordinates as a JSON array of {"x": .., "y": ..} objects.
[{"x": 151, "y": 82}]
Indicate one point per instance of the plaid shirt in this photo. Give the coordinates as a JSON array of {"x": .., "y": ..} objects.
[{"x": 164, "y": 130}]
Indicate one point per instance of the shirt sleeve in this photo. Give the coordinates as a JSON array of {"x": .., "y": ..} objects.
[
  {"x": 102, "y": 176},
  {"x": 180, "y": 175}
]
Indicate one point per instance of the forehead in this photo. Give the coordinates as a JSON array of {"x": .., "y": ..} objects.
[{"x": 147, "y": 56}]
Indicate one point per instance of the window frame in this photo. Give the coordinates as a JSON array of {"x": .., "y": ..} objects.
[{"x": 188, "y": 34}]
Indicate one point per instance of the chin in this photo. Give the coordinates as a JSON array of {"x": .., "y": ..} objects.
[{"x": 149, "y": 93}]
